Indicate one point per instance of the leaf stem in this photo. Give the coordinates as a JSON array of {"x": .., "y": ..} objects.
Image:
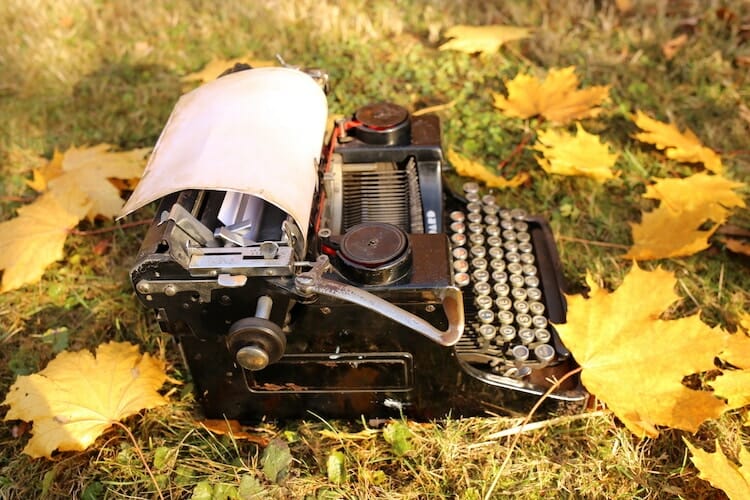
[{"x": 141, "y": 456}]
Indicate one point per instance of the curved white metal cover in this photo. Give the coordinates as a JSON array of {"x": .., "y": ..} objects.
[{"x": 258, "y": 132}]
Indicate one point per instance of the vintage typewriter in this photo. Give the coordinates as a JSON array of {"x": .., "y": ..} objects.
[{"x": 338, "y": 276}]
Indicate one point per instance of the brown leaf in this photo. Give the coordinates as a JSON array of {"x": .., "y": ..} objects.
[
  {"x": 232, "y": 428},
  {"x": 670, "y": 48}
]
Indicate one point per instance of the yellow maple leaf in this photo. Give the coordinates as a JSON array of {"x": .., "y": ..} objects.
[
  {"x": 78, "y": 396},
  {"x": 675, "y": 228},
  {"x": 35, "y": 239},
  {"x": 677, "y": 145},
  {"x": 88, "y": 169},
  {"x": 582, "y": 154},
  {"x": 217, "y": 66},
  {"x": 476, "y": 170},
  {"x": 634, "y": 361},
  {"x": 721, "y": 472},
  {"x": 556, "y": 99},
  {"x": 472, "y": 39},
  {"x": 734, "y": 385},
  {"x": 48, "y": 171}
]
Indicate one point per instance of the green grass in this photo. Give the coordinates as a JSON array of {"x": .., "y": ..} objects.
[{"x": 81, "y": 72}]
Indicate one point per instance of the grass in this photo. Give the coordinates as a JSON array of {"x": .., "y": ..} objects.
[{"x": 85, "y": 71}]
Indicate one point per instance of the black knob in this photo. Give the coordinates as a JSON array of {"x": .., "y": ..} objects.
[{"x": 256, "y": 342}]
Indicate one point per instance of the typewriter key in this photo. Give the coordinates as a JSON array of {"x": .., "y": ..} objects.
[
  {"x": 507, "y": 333},
  {"x": 487, "y": 331},
  {"x": 496, "y": 252},
  {"x": 526, "y": 336},
  {"x": 504, "y": 303},
  {"x": 529, "y": 269},
  {"x": 478, "y": 251},
  {"x": 458, "y": 239},
  {"x": 504, "y": 213},
  {"x": 514, "y": 267},
  {"x": 533, "y": 293},
  {"x": 460, "y": 253},
  {"x": 474, "y": 207},
  {"x": 457, "y": 216},
  {"x": 494, "y": 241},
  {"x": 479, "y": 263},
  {"x": 521, "y": 306},
  {"x": 505, "y": 317},
  {"x": 457, "y": 227},
  {"x": 509, "y": 235},
  {"x": 544, "y": 353},
  {"x": 474, "y": 218},
  {"x": 510, "y": 246},
  {"x": 491, "y": 220},
  {"x": 489, "y": 199},
  {"x": 461, "y": 266},
  {"x": 506, "y": 224},
  {"x": 483, "y": 288},
  {"x": 520, "y": 226},
  {"x": 523, "y": 237},
  {"x": 520, "y": 353},
  {"x": 470, "y": 187},
  {"x": 499, "y": 277},
  {"x": 518, "y": 213},
  {"x": 481, "y": 275},
  {"x": 542, "y": 335},
  {"x": 476, "y": 239},
  {"x": 539, "y": 321},
  {"x": 513, "y": 257},
  {"x": 531, "y": 281},
  {"x": 483, "y": 302},
  {"x": 527, "y": 258},
  {"x": 516, "y": 280},
  {"x": 472, "y": 198},
  {"x": 525, "y": 247},
  {"x": 536, "y": 308},
  {"x": 490, "y": 209},
  {"x": 518, "y": 294},
  {"x": 485, "y": 316},
  {"x": 497, "y": 264},
  {"x": 523, "y": 320},
  {"x": 461, "y": 279},
  {"x": 476, "y": 228},
  {"x": 502, "y": 290},
  {"x": 492, "y": 230}
]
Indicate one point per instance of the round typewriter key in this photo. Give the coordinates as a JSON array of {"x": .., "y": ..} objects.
[
  {"x": 533, "y": 293},
  {"x": 491, "y": 220},
  {"x": 505, "y": 317},
  {"x": 474, "y": 207},
  {"x": 458, "y": 239},
  {"x": 506, "y": 224},
  {"x": 478, "y": 251},
  {"x": 482, "y": 288},
  {"x": 523, "y": 237},
  {"x": 525, "y": 247},
  {"x": 487, "y": 331},
  {"x": 520, "y": 226},
  {"x": 516, "y": 280},
  {"x": 460, "y": 253},
  {"x": 481, "y": 275},
  {"x": 504, "y": 303},
  {"x": 531, "y": 282},
  {"x": 476, "y": 228},
  {"x": 479, "y": 263},
  {"x": 461, "y": 266},
  {"x": 489, "y": 199},
  {"x": 519, "y": 294},
  {"x": 485, "y": 316},
  {"x": 529, "y": 269},
  {"x": 507, "y": 333},
  {"x": 536, "y": 308},
  {"x": 539, "y": 321},
  {"x": 474, "y": 218},
  {"x": 461, "y": 279},
  {"x": 496, "y": 252},
  {"x": 542, "y": 335},
  {"x": 524, "y": 320},
  {"x": 457, "y": 227},
  {"x": 476, "y": 239},
  {"x": 497, "y": 264},
  {"x": 490, "y": 209},
  {"x": 521, "y": 306},
  {"x": 527, "y": 258},
  {"x": 501, "y": 290},
  {"x": 518, "y": 213},
  {"x": 515, "y": 268},
  {"x": 470, "y": 187},
  {"x": 492, "y": 230},
  {"x": 494, "y": 241},
  {"x": 520, "y": 352},
  {"x": 509, "y": 235},
  {"x": 483, "y": 302},
  {"x": 472, "y": 197},
  {"x": 544, "y": 353},
  {"x": 510, "y": 246},
  {"x": 504, "y": 213},
  {"x": 513, "y": 257},
  {"x": 526, "y": 336},
  {"x": 457, "y": 216}
]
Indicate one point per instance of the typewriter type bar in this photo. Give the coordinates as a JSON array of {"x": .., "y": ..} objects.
[{"x": 379, "y": 294}]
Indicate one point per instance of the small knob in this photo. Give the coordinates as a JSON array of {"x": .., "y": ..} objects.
[{"x": 252, "y": 358}]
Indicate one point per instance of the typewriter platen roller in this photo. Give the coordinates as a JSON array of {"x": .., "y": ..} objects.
[{"x": 337, "y": 276}]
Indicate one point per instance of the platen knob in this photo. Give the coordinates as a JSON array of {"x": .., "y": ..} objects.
[{"x": 256, "y": 343}]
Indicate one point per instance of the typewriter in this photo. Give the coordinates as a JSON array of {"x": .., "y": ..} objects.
[{"x": 338, "y": 275}]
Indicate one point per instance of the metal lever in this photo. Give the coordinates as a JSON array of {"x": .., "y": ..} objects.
[{"x": 312, "y": 282}]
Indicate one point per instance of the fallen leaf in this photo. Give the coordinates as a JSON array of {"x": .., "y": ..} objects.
[
  {"x": 634, "y": 361},
  {"x": 582, "y": 154},
  {"x": 336, "y": 467},
  {"x": 50, "y": 170},
  {"x": 680, "y": 146},
  {"x": 276, "y": 460},
  {"x": 78, "y": 396},
  {"x": 398, "y": 435},
  {"x": 35, "y": 239},
  {"x": 734, "y": 384},
  {"x": 556, "y": 99},
  {"x": 671, "y": 47},
  {"x": 350, "y": 436},
  {"x": 721, "y": 472},
  {"x": 473, "y": 39},
  {"x": 737, "y": 246},
  {"x": 476, "y": 170},
  {"x": 216, "y": 67},
  {"x": 234, "y": 429},
  {"x": 712, "y": 194}
]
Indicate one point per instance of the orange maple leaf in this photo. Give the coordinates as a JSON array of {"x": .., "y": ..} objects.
[{"x": 634, "y": 361}]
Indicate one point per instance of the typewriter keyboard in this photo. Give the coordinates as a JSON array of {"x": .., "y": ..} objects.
[{"x": 495, "y": 263}]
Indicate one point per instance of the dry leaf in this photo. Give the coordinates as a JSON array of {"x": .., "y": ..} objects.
[
  {"x": 556, "y": 99},
  {"x": 670, "y": 48},
  {"x": 738, "y": 246},
  {"x": 49, "y": 171},
  {"x": 677, "y": 145},
  {"x": 472, "y": 39},
  {"x": 234, "y": 429},
  {"x": 78, "y": 396},
  {"x": 364, "y": 434},
  {"x": 722, "y": 473},
  {"x": 581, "y": 154},
  {"x": 634, "y": 361},
  {"x": 35, "y": 239},
  {"x": 734, "y": 385},
  {"x": 712, "y": 194},
  {"x": 476, "y": 170},
  {"x": 216, "y": 67}
]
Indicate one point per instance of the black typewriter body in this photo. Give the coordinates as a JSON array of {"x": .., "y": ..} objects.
[{"x": 403, "y": 298}]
